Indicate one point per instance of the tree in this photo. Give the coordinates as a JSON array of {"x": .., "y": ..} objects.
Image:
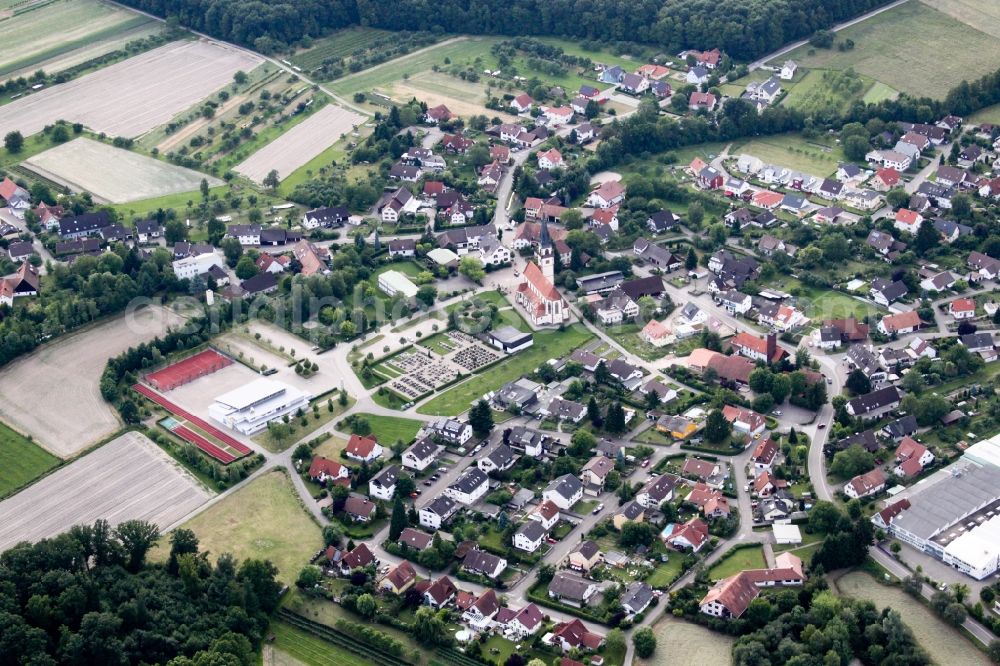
[
  {"x": 780, "y": 388},
  {"x": 717, "y": 428},
  {"x": 271, "y": 180},
  {"x": 855, "y": 148},
  {"x": 481, "y": 419},
  {"x": 696, "y": 213},
  {"x": 594, "y": 412},
  {"x": 429, "y": 628},
  {"x": 644, "y": 641},
  {"x": 427, "y": 294},
  {"x": 601, "y": 373},
  {"x": 927, "y": 408},
  {"x": 616, "y": 418},
  {"x": 852, "y": 461},
  {"x": 471, "y": 268},
  {"x": 245, "y": 267},
  {"x": 636, "y": 534},
  {"x": 366, "y": 606},
  {"x": 955, "y": 613},
  {"x": 309, "y": 577},
  {"x": 174, "y": 232},
  {"x": 582, "y": 443},
  {"x": 763, "y": 403},
  {"x": 399, "y": 521},
  {"x": 993, "y": 651},
  {"x": 182, "y": 542},
  {"x": 232, "y": 250},
  {"x": 240, "y": 77},
  {"x": 136, "y": 537},
  {"x": 858, "y": 383},
  {"x": 615, "y": 640},
  {"x": 691, "y": 262},
  {"x": 203, "y": 188},
  {"x": 824, "y": 517},
  {"x": 897, "y": 197},
  {"x": 927, "y": 237},
  {"x": 13, "y": 142}
]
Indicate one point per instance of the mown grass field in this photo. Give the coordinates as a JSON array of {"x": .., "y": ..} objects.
[
  {"x": 263, "y": 520},
  {"x": 740, "y": 560},
  {"x": 916, "y": 48},
  {"x": 389, "y": 429},
  {"x": 794, "y": 152},
  {"x": 548, "y": 345},
  {"x": 688, "y": 644},
  {"x": 21, "y": 461},
  {"x": 827, "y": 89}
]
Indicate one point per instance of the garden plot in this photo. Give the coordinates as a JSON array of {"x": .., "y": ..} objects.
[
  {"x": 301, "y": 143},
  {"x": 53, "y": 393},
  {"x": 129, "y": 478},
  {"x": 132, "y": 97},
  {"x": 114, "y": 175}
]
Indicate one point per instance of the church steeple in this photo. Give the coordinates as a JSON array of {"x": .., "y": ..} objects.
[{"x": 546, "y": 260}]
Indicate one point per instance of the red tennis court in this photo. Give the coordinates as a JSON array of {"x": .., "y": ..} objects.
[
  {"x": 191, "y": 368},
  {"x": 189, "y": 435}
]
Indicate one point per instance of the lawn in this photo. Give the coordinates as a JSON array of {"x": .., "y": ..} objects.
[
  {"x": 584, "y": 506},
  {"x": 388, "y": 429},
  {"x": 830, "y": 304},
  {"x": 919, "y": 70},
  {"x": 807, "y": 540},
  {"x": 627, "y": 335},
  {"x": 263, "y": 520},
  {"x": 548, "y": 345},
  {"x": 21, "y": 460},
  {"x": 739, "y": 560},
  {"x": 300, "y": 432},
  {"x": 331, "y": 447},
  {"x": 665, "y": 573},
  {"x": 794, "y": 152}
]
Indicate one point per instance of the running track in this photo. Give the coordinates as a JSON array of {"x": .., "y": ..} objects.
[{"x": 226, "y": 439}]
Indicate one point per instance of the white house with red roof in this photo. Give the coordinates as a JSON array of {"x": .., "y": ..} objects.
[
  {"x": 605, "y": 217},
  {"x": 911, "y": 458},
  {"x": 908, "y": 220},
  {"x": 744, "y": 420},
  {"x": 885, "y": 179},
  {"x": 17, "y": 198},
  {"x": 558, "y": 115},
  {"x": 765, "y": 455},
  {"x": 522, "y": 103},
  {"x": 692, "y": 535},
  {"x": 325, "y": 470},
  {"x": 610, "y": 193},
  {"x": 962, "y": 308},
  {"x": 700, "y": 100},
  {"x": 439, "y": 114},
  {"x": 863, "y": 485},
  {"x": 757, "y": 349},
  {"x": 364, "y": 449},
  {"x": 550, "y": 159}
]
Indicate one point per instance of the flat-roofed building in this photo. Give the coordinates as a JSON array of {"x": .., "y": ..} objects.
[{"x": 249, "y": 408}]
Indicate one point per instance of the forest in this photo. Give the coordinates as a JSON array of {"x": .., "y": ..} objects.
[
  {"x": 88, "y": 596},
  {"x": 745, "y": 29}
]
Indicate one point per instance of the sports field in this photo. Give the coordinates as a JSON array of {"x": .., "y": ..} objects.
[
  {"x": 36, "y": 39},
  {"x": 114, "y": 175},
  {"x": 21, "y": 461},
  {"x": 127, "y": 478},
  {"x": 53, "y": 393},
  {"x": 301, "y": 143},
  {"x": 263, "y": 520},
  {"x": 916, "y": 48},
  {"x": 133, "y": 96}
]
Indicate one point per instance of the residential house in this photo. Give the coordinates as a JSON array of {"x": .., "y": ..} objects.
[
  {"x": 415, "y": 539},
  {"x": 359, "y": 558},
  {"x": 564, "y": 491},
  {"x": 399, "y": 579},
  {"x": 440, "y": 592},
  {"x": 571, "y": 589},
  {"x": 744, "y": 420},
  {"x": 656, "y": 491},
  {"x": 469, "y": 487},
  {"x": 765, "y": 455},
  {"x": 633, "y": 512},
  {"x": 482, "y": 563},
  {"x": 383, "y": 484},
  {"x": 500, "y": 459},
  {"x": 689, "y": 536},
  {"x": 594, "y": 473},
  {"x": 449, "y": 431},
  {"x": 899, "y": 324},
  {"x": 323, "y": 470},
  {"x": 585, "y": 556},
  {"x": 574, "y": 635},
  {"x": 886, "y": 292},
  {"x": 864, "y": 485},
  {"x": 402, "y": 247},
  {"x": 438, "y": 114},
  {"x": 938, "y": 282},
  {"x": 421, "y": 454},
  {"x": 327, "y": 217},
  {"x": 607, "y": 194},
  {"x": 700, "y": 100},
  {"x": 911, "y": 458},
  {"x": 437, "y": 514},
  {"x": 522, "y": 103},
  {"x": 550, "y": 159},
  {"x": 529, "y": 536},
  {"x": 758, "y": 349},
  {"x": 875, "y": 404},
  {"x": 962, "y": 308}
]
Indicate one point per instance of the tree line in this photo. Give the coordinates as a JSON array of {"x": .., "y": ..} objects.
[
  {"x": 745, "y": 29},
  {"x": 88, "y": 596}
]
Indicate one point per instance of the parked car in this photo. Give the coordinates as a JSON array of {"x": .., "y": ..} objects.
[
  {"x": 598, "y": 508},
  {"x": 427, "y": 483},
  {"x": 821, "y": 426},
  {"x": 645, "y": 463}
]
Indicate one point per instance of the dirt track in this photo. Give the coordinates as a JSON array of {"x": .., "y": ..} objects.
[
  {"x": 134, "y": 96},
  {"x": 128, "y": 478},
  {"x": 53, "y": 393}
]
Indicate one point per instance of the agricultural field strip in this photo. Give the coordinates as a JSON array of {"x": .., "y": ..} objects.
[
  {"x": 114, "y": 175},
  {"x": 983, "y": 15},
  {"x": 301, "y": 143},
  {"x": 36, "y": 32},
  {"x": 134, "y": 96},
  {"x": 67, "y": 373},
  {"x": 338, "y": 45},
  {"x": 128, "y": 478}
]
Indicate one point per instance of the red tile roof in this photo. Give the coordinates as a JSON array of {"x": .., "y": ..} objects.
[{"x": 361, "y": 446}]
